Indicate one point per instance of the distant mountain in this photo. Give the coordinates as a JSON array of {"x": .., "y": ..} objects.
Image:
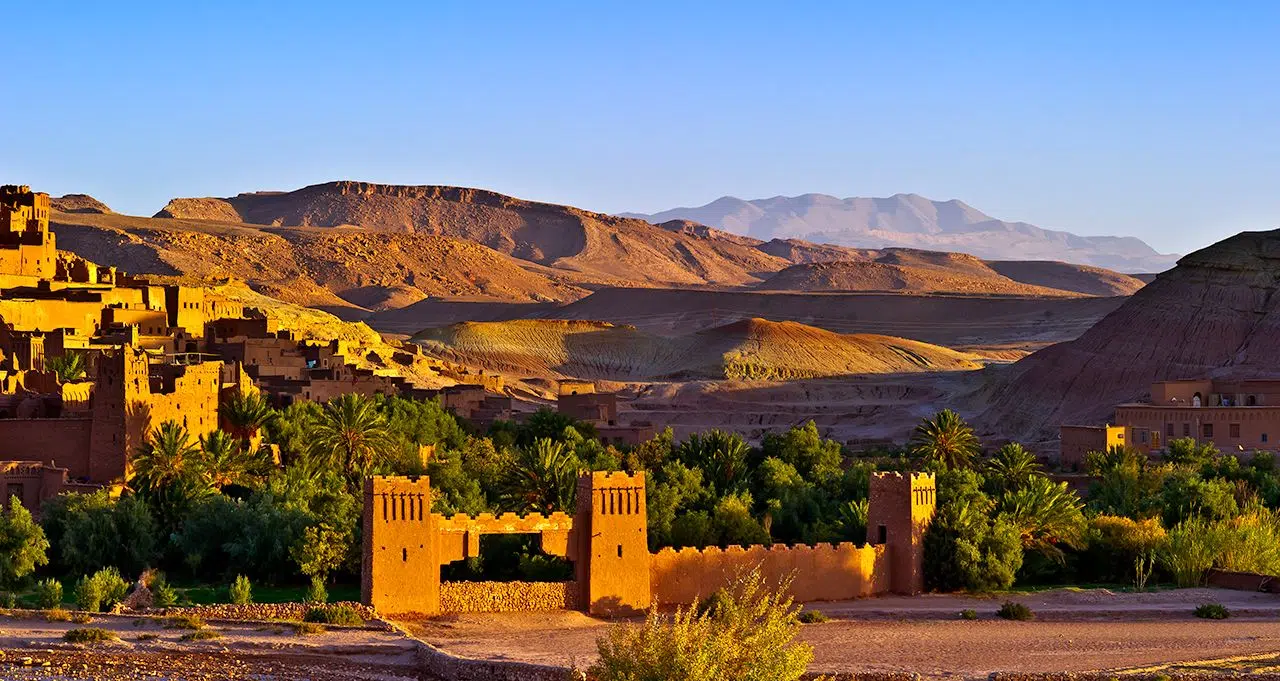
[{"x": 913, "y": 221}]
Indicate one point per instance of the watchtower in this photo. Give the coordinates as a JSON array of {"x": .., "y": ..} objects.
[
  {"x": 898, "y": 514},
  {"x": 121, "y": 413},
  {"x": 400, "y": 562},
  {"x": 611, "y": 525}
]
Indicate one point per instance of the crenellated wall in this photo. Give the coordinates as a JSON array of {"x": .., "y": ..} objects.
[{"x": 818, "y": 573}]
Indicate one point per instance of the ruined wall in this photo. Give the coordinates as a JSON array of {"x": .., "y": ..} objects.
[
  {"x": 508, "y": 596},
  {"x": 63, "y": 442},
  {"x": 818, "y": 573}
]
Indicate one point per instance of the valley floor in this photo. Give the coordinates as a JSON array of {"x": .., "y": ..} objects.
[{"x": 1074, "y": 631}]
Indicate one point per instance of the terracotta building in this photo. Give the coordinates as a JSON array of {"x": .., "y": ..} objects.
[
  {"x": 1234, "y": 415},
  {"x": 580, "y": 401},
  {"x": 405, "y": 545}
]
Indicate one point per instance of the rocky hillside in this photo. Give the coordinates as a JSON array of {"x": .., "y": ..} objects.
[
  {"x": 1090, "y": 281},
  {"x": 905, "y": 272},
  {"x": 749, "y": 349},
  {"x": 913, "y": 221},
  {"x": 1216, "y": 314},
  {"x": 78, "y": 203},
  {"x": 603, "y": 248},
  {"x": 330, "y": 268}
]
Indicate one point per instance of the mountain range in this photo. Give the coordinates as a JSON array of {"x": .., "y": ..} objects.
[{"x": 913, "y": 221}]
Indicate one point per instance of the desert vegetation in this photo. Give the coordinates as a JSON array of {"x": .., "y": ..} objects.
[{"x": 223, "y": 511}]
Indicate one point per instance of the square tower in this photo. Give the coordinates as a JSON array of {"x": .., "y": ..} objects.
[
  {"x": 898, "y": 514},
  {"x": 613, "y": 554},
  {"x": 401, "y": 563}
]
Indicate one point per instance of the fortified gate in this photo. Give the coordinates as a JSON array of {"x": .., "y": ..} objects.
[{"x": 606, "y": 539}]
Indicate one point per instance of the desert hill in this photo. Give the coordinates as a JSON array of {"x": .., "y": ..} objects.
[
  {"x": 604, "y": 248},
  {"x": 905, "y": 272},
  {"x": 330, "y": 268},
  {"x": 1090, "y": 281},
  {"x": 913, "y": 221},
  {"x": 78, "y": 203},
  {"x": 751, "y": 349},
  {"x": 1216, "y": 314}
]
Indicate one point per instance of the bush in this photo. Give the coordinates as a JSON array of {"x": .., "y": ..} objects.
[
  {"x": 712, "y": 604},
  {"x": 145, "y": 637},
  {"x": 813, "y": 617},
  {"x": 89, "y": 635},
  {"x": 57, "y": 615},
  {"x": 240, "y": 591},
  {"x": 81, "y": 618},
  {"x": 333, "y": 614},
  {"x": 88, "y": 594},
  {"x": 750, "y": 637},
  {"x": 201, "y": 635},
  {"x": 968, "y": 614},
  {"x": 1015, "y": 611},
  {"x": 316, "y": 593},
  {"x": 192, "y": 622},
  {"x": 101, "y": 591},
  {"x": 48, "y": 593},
  {"x": 1212, "y": 611},
  {"x": 162, "y": 595},
  {"x": 308, "y": 628}
]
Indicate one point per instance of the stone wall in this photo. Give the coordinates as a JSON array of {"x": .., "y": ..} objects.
[
  {"x": 261, "y": 611},
  {"x": 819, "y": 573},
  {"x": 507, "y": 596}
]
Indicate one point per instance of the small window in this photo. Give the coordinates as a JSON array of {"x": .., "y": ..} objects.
[
  {"x": 1235, "y": 430},
  {"x": 1264, "y": 437},
  {"x": 1186, "y": 430},
  {"x": 1168, "y": 429},
  {"x": 1208, "y": 430},
  {"x": 404, "y": 555},
  {"x": 883, "y": 533},
  {"x": 619, "y": 550}
]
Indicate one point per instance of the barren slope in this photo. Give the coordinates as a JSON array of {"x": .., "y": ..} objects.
[
  {"x": 1215, "y": 314},
  {"x": 1091, "y": 281},
  {"x": 884, "y": 276},
  {"x": 605, "y": 248},
  {"x": 322, "y": 268},
  {"x": 753, "y": 349}
]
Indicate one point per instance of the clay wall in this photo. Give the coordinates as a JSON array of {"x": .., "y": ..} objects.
[
  {"x": 31, "y": 482},
  {"x": 900, "y": 510},
  {"x": 149, "y": 322},
  {"x": 613, "y": 553},
  {"x": 47, "y": 315},
  {"x": 594, "y": 407},
  {"x": 818, "y": 573},
  {"x": 400, "y": 570},
  {"x": 1078, "y": 441},
  {"x": 64, "y": 442},
  {"x": 1167, "y": 392},
  {"x": 457, "y": 597}
]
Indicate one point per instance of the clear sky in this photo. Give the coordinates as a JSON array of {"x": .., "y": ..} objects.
[{"x": 1155, "y": 119}]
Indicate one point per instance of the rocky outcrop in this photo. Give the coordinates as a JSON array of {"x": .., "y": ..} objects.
[
  {"x": 78, "y": 203},
  {"x": 1214, "y": 315},
  {"x": 200, "y": 209}
]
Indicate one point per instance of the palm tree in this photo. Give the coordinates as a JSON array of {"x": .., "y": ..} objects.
[
  {"x": 1047, "y": 515},
  {"x": 721, "y": 456},
  {"x": 1012, "y": 467},
  {"x": 542, "y": 477},
  {"x": 168, "y": 455},
  {"x": 69, "y": 367},
  {"x": 225, "y": 461},
  {"x": 245, "y": 414},
  {"x": 946, "y": 439},
  {"x": 351, "y": 435}
]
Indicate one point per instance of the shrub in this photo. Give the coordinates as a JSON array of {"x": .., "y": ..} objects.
[
  {"x": 88, "y": 635},
  {"x": 968, "y": 614},
  {"x": 333, "y": 614},
  {"x": 162, "y": 595},
  {"x": 308, "y": 628},
  {"x": 751, "y": 637},
  {"x": 200, "y": 635},
  {"x": 57, "y": 615},
  {"x": 88, "y": 594},
  {"x": 712, "y": 604},
  {"x": 813, "y": 617},
  {"x": 81, "y": 618},
  {"x": 1212, "y": 611},
  {"x": 241, "y": 592},
  {"x": 145, "y": 637},
  {"x": 316, "y": 593},
  {"x": 101, "y": 591},
  {"x": 192, "y": 622},
  {"x": 48, "y": 593},
  {"x": 1015, "y": 611}
]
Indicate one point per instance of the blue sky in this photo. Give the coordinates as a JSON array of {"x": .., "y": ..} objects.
[{"x": 1157, "y": 120}]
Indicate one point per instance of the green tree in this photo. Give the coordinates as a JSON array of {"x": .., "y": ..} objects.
[
  {"x": 1187, "y": 451},
  {"x": 69, "y": 367},
  {"x": 542, "y": 477},
  {"x": 169, "y": 472},
  {"x": 1185, "y": 495},
  {"x": 721, "y": 456},
  {"x": 351, "y": 435},
  {"x": 226, "y": 462},
  {"x": 88, "y": 532},
  {"x": 749, "y": 636},
  {"x": 1047, "y": 516},
  {"x": 321, "y": 550},
  {"x": 23, "y": 545},
  {"x": 968, "y": 545},
  {"x": 245, "y": 414},
  {"x": 817, "y": 460},
  {"x": 1011, "y": 468},
  {"x": 1128, "y": 485},
  {"x": 945, "y": 439}
]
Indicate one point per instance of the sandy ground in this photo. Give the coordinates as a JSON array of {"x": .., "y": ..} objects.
[
  {"x": 1074, "y": 631},
  {"x": 31, "y": 648}
]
